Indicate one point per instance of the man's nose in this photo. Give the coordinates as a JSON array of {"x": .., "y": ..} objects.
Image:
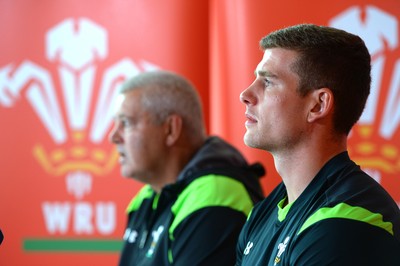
[
  {"x": 247, "y": 96},
  {"x": 114, "y": 135}
]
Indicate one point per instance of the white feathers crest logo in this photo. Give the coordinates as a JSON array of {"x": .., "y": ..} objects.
[{"x": 75, "y": 120}]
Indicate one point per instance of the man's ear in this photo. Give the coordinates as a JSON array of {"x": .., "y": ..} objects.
[
  {"x": 321, "y": 104},
  {"x": 173, "y": 126}
]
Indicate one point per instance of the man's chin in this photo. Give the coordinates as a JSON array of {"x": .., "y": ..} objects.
[
  {"x": 125, "y": 173},
  {"x": 250, "y": 141}
]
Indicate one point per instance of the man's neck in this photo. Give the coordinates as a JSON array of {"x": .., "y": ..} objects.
[{"x": 298, "y": 168}]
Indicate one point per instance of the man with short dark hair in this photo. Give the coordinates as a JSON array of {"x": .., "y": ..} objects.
[{"x": 310, "y": 89}]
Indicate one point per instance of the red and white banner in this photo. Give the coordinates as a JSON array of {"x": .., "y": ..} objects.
[
  {"x": 237, "y": 27},
  {"x": 62, "y": 196}
]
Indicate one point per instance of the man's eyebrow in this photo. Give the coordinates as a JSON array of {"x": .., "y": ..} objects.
[
  {"x": 120, "y": 116},
  {"x": 264, "y": 73}
]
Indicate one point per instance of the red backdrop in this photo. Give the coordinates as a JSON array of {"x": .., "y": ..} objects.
[{"x": 62, "y": 197}]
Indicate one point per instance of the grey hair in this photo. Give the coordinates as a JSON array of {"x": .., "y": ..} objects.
[{"x": 164, "y": 93}]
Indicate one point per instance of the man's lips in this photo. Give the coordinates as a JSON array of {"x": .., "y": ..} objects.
[
  {"x": 121, "y": 155},
  {"x": 250, "y": 119}
]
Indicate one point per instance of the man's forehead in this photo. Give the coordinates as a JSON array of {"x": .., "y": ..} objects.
[
  {"x": 260, "y": 70},
  {"x": 125, "y": 101},
  {"x": 274, "y": 59},
  {"x": 267, "y": 54}
]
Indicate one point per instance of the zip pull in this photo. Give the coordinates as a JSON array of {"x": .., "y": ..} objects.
[{"x": 143, "y": 239}]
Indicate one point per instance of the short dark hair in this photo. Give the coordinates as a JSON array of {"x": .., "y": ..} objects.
[{"x": 330, "y": 58}]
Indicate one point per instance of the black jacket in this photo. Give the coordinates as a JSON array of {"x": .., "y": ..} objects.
[
  {"x": 343, "y": 217},
  {"x": 197, "y": 220}
]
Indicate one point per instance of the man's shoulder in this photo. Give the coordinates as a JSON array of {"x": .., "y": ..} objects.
[
  {"x": 346, "y": 240},
  {"x": 214, "y": 189},
  {"x": 145, "y": 192}
]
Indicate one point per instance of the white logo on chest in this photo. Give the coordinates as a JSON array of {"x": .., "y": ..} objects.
[
  {"x": 156, "y": 236},
  {"x": 248, "y": 247},
  {"x": 281, "y": 248}
]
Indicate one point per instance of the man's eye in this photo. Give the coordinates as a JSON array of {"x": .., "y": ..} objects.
[
  {"x": 267, "y": 82},
  {"x": 125, "y": 122}
]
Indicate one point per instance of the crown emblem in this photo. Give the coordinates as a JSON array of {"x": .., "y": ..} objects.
[{"x": 373, "y": 152}]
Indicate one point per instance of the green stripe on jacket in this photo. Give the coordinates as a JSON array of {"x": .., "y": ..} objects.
[
  {"x": 144, "y": 193},
  {"x": 346, "y": 211},
  {"x": 210, "y": 191}
]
